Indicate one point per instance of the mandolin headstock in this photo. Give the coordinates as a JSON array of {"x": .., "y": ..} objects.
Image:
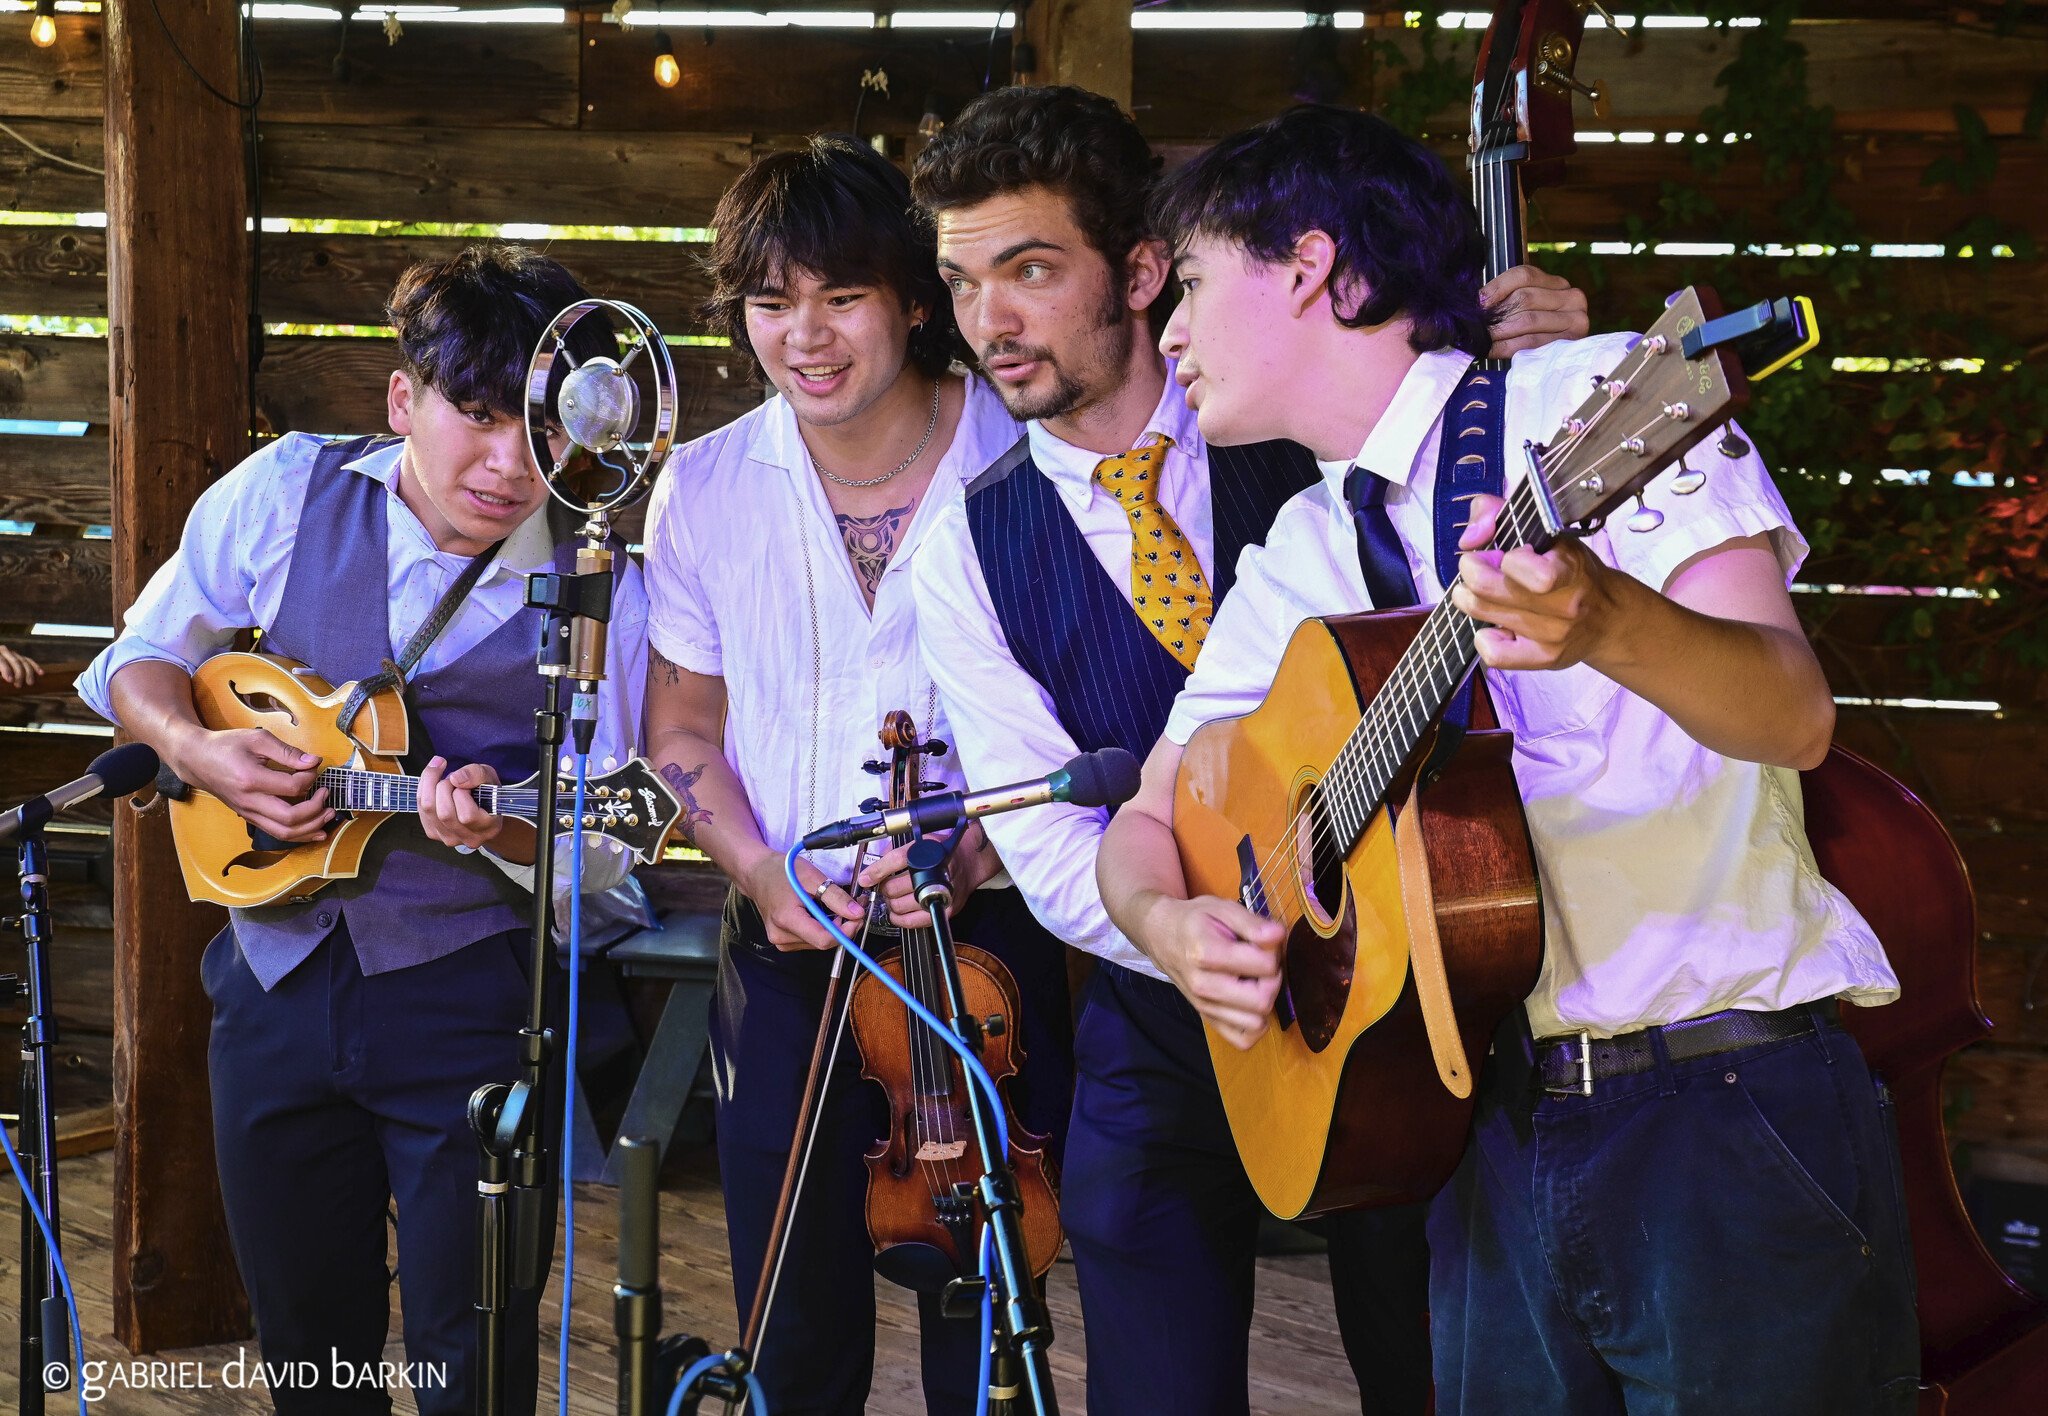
[{"x": 631, "y": 804}]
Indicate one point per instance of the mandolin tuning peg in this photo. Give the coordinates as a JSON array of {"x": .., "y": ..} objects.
[
  {"x": 1731, "y": 445},
  {"x": 1687, "y": 481},
  {"x": 1645, "y": 519}
]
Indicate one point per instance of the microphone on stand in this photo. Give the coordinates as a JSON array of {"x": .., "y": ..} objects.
[
  {"x": 1105, "y": 778},
  {"x": 116, "y": 772}
]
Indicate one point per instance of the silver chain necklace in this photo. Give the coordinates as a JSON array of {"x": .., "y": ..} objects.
[{"x": 923, "y": 443}]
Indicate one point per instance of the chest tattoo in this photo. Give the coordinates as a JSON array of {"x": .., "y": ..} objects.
[{"x": 871, "y": 541}]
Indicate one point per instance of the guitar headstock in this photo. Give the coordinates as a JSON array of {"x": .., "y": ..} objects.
[
  {"x": 634, "y": 805},
  {"x": 1523, "y": 84}
]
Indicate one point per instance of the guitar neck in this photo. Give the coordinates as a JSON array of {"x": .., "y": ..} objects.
[
  {"x": 352, "y": 789},
  {"x": 1422, "y": 682}
]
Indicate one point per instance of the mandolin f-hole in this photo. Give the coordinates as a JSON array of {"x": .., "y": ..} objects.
[{"x": 260, "y": 702}]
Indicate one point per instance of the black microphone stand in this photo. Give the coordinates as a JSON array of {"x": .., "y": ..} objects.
[
  {"x": 515, "y": 1186},
  {"x": 1023, "y": 1327},
  {"x": 44, "y": 1322}
]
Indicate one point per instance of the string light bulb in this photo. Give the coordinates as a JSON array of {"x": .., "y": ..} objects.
[
  {"x": 667, "y": 72},
  {"x": 42, "y": 30}
]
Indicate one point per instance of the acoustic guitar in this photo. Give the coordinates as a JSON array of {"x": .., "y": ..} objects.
[
  {"x": 1410, "y": 897},
  {"x": 227, "y": 861}
]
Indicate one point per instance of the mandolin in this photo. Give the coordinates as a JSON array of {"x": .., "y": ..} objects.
[
  {"x": 227, "y": 861},
  {"x": 1409, "y": 896},
  {"x": 922, "y": 1214}
]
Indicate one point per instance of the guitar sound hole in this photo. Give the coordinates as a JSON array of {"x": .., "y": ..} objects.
[{"x": 1320, "y": 863}]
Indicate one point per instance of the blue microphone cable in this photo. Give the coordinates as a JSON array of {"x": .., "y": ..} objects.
[{"x": 28, "y": 1197}]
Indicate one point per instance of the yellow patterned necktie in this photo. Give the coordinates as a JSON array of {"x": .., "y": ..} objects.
[{"x": 1167, "y": 587}]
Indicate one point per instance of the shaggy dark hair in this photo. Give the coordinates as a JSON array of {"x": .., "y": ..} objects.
[
  {"x": 1068, "y": 140},
  {"x": 1408, "y": 241},
  {"x": 467, "y": 325},
  {"x": 839, "y": 210}
]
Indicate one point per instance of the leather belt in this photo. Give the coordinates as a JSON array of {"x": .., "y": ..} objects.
[{"x": 1570, "y": 1065}]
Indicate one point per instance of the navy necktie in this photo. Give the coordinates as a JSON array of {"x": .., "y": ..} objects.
[{"x": 1380, "y": 556}]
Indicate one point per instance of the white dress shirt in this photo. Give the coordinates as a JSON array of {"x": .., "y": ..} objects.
[
  {"x": 1003, "y": 719},
  {"x": 1676, "y": 882},
  {"x": 230, "y": 571},
  {"x": 750, "y": 582}
]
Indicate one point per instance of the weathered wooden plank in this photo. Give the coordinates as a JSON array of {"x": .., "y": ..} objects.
[
  {"x": 1085, "y": 43},
  {"x": 419, "y": 174},
  {"x": 53, "y": 377},
  {"x": 64, "y": 81},
  {"x": 469, "y": 76},
  {"x": 1882, "y": 187},
  {"x": 779, "y": 81},
  {"x": 1891, "y": 74},
  {"x": 2009, "y": 870},
  {"x": 337, "y": 386},
  {"x": 1973, "y": 768},
  {"x": 1998, "y": 1094},
  {"x": 345, "y": 279},
  {"x": 32, "y": 183},
  {"x": 53, "y": 270},
  {"x": 63, "y": 480},
  {"x": 32, "y": 763},
  {"x": 1849, "y": 632},
  {"x": 2012, "y": 985},
  {"x": 307, "y": 384},
  {"x": 178, "y": 319},
  {"x": 58, "y": 580}
]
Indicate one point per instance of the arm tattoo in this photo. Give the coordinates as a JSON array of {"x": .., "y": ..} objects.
[
  {"x": 671, "y": 673},
  {"x": 693, "y": 814},
  {"x": 871, "y": 540}
]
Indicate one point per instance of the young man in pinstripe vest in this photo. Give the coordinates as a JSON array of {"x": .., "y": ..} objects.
[{"x": 1064, "y": 598}]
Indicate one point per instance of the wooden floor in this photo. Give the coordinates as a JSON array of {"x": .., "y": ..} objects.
[{"x": 1298, "y": 1366}]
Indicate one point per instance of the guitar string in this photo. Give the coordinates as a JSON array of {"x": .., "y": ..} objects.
[{"x": 1375, "y": 735}]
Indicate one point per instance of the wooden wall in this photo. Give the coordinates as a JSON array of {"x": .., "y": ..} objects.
[{"x": 563, "y": 123}]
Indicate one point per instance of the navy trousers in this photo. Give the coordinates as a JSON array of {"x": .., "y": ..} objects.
[
  {"x": 818, "y": 1346},
  {"x": 1721, "y": 1235},
  {"x": 1164, "y": 1224},
  {"x": 333, "y": 1095}
]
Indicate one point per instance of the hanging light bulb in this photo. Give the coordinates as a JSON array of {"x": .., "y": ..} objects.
[
  {"x": 42, "y": 30},
  {"x": 667, "y": 72}
]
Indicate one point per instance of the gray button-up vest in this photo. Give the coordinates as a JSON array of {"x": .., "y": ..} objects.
[{"x": 415, "y": 900}]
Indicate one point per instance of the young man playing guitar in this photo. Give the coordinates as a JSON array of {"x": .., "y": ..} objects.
[
  {"x": 1034, "y": 630},
  {"x": 1712, "y": 1222},
  {"x": 350, "y": 1030},
  {"x": 783, "y": 631}
]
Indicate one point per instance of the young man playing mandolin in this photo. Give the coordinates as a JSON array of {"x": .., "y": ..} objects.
[
  {"x": 1045, "y": 640},
  {"x": 1684, "y": 1197},
  {"x": 349, "y": 1031},
  {"x": 783, "y": 631}
]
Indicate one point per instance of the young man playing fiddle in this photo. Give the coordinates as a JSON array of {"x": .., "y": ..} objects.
[
  {"x": 783, "y": 630},
  {"x": 1715, "y": 1225},
  {"x": 349, "y": 1031},
  {"x": 1065, "y": 597}
]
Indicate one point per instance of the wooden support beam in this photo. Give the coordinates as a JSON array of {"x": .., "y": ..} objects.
[
  {"x": 178, "y": 352},
  {"x": 1086, "y": 43}
]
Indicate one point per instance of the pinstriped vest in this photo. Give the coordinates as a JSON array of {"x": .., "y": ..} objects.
[
  {"x": 415, "y": 900},
  {"x": 1070, "y": 626}
]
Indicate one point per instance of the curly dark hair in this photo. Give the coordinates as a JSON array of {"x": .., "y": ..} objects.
[
  {"x": 1066, "y": 139},
  {"x": 1407, "y": 237},
  {"x": 467, "y": 325},
  {"x": 841, "y": 211}
]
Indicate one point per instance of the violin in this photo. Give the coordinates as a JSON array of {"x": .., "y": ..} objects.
[{"x": 921, "y": 1209}]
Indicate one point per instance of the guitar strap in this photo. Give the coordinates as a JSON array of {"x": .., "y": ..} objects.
[
  {"x": 1426, "y": 949},
  {"x": 1470, "y": 461},
  {"x": 392, "y": 675}
]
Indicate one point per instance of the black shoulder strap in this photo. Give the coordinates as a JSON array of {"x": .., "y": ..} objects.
[{"x": 392, "y": 675}]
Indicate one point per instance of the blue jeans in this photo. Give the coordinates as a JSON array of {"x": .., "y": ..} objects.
[{"x": 1717, "y": 1236}]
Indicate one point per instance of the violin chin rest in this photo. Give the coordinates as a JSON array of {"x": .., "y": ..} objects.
[{"x": 922, "y": 1268}]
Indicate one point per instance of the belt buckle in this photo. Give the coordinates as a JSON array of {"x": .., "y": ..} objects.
[{"x": 1585, "y": 1083}]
